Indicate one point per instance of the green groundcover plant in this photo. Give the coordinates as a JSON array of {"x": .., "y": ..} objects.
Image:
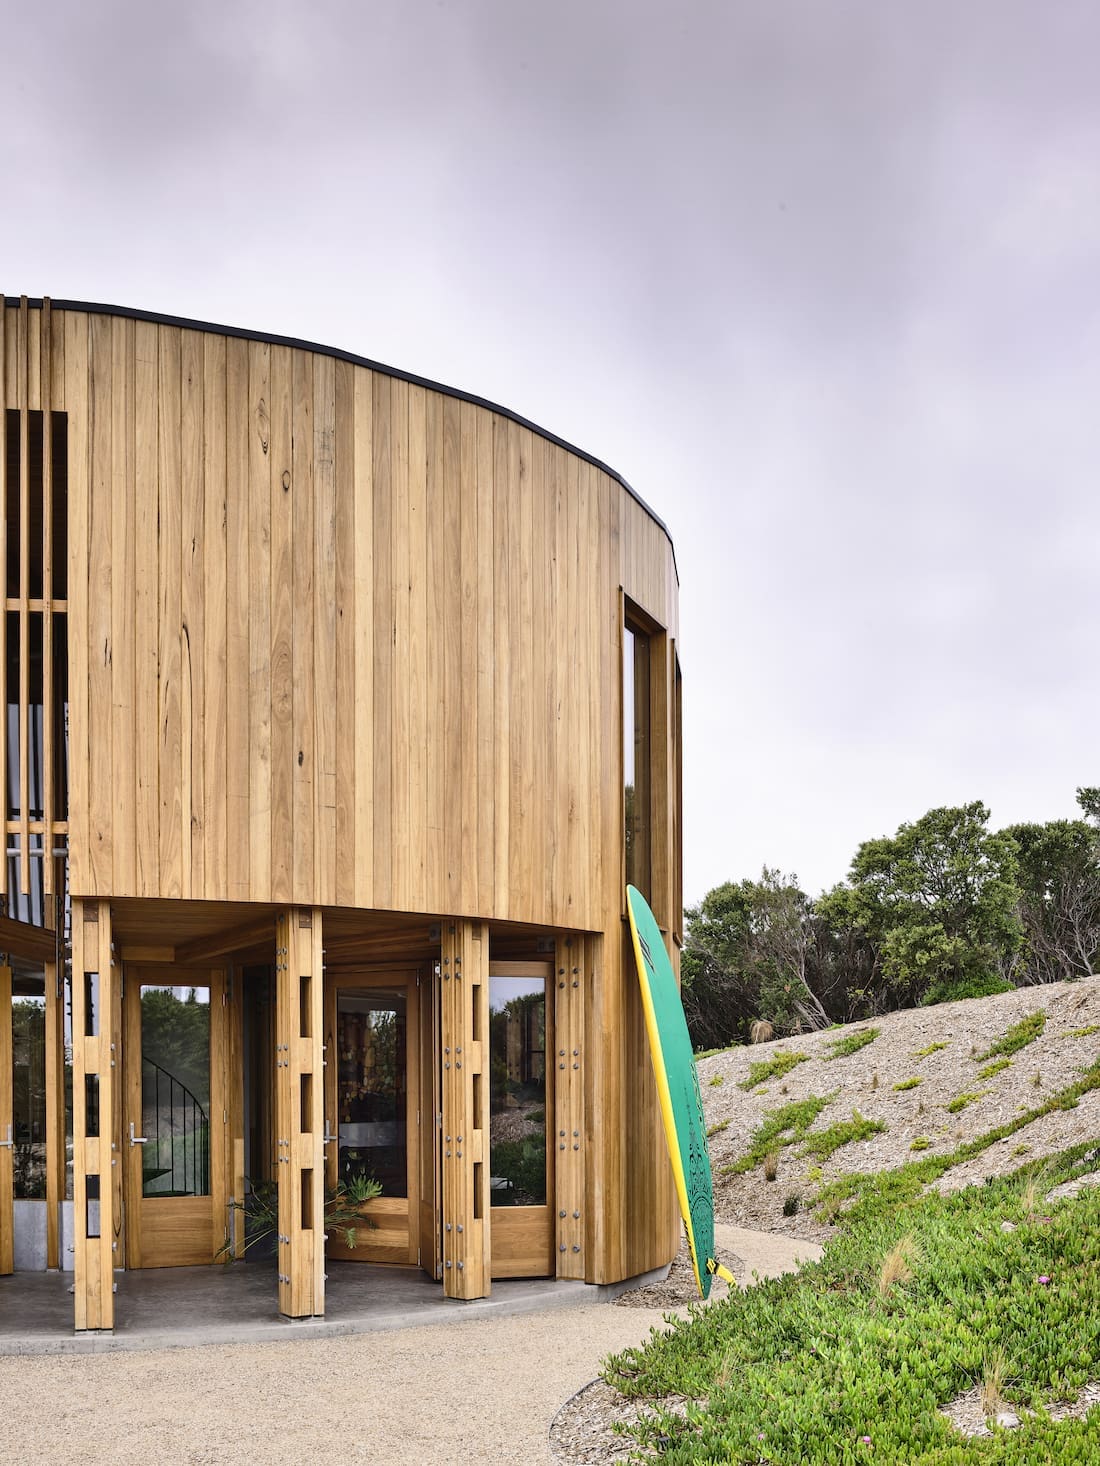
[{"x": 919, "y": 1298}]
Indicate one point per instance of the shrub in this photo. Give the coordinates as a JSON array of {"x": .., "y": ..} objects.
[
  {"x": 851, "y": 1043},
  {"x": 921, "y": 1143},
  {"x": 994, "y": 1068},
  {"x": 905, "y": 1084},
  {"x": 961, "y": 1101},
  {"x": 781, "y": 1127},
  {"x": 1018, "y": 1036},
  {"x": 823, "y": 1143},
  {"x": 956, "y": 990},
  {"x": 774, "y": 1068},
  {"x": 931, "y": 1049}
]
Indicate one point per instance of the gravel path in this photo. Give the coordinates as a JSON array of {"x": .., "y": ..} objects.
[{"x": 459, "y": 1393}]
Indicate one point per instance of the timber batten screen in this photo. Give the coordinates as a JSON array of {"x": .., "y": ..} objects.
[{"x": 33, "y": 629}]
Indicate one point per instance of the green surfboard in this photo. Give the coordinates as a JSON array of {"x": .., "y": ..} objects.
[{"x": 677, "y": 1088}]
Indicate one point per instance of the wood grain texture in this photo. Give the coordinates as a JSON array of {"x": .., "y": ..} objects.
[{"x": 392, "y": 685}]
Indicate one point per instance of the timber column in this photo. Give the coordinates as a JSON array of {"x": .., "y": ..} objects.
[
  {"x": 299, "y": 1095},
  {"x": 574, "y": 956},
  {"x": 464, "y": 1002},
  {"x": 97, "y": 1173}
]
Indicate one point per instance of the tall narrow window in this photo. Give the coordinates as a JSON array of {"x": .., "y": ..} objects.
[{"x": 637, "y": 756}]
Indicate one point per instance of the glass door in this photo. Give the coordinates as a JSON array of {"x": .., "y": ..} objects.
[
  {"x": 520, "y": 1180},
  {"x": 174, "y": 1143},
  {"x": 371, "y": 1108},
  {"x": 7, "y": 1174}
]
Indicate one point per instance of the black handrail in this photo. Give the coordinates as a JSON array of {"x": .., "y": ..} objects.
[{"x": 189, "y": 1176}]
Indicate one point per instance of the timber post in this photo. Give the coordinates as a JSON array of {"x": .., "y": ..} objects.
[
  {"x": 299, "y": 1108},
  {"x": 464, "y": 985},
  {"x": 97, "y": 1170}
]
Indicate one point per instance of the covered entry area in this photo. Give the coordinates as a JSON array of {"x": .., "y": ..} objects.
[{"x": 217, "y": 1050}]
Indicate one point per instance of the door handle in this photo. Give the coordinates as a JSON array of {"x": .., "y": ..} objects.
[
  {"x": 137, "y": 1139},
  {"x": 7, "y": 1144},
  {"x": 328, "y": 1137}
]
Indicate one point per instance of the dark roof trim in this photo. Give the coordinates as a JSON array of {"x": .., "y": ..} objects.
[{"x": 96, "y": 309}]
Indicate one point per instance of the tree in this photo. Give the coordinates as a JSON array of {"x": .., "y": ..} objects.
[
  {"x": 750, "y": 953},
  {"x": 1059, "y": 900},
  {"x": 938, "y": 902}
]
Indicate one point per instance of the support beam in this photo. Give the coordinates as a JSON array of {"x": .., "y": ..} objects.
[
  {"x": 299, "y": 1110},
  {"x": 464, "y": 984},
  {"x": 97, "y": 1208},
  {"x": 568, "y": 1147}
]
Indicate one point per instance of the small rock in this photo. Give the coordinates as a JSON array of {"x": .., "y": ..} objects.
[
  {"x": 1007, "y": 1420},
  {"x": 1008, "y": 1226}
]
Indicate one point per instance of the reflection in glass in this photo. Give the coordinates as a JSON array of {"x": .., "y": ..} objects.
[
  {"x": 175, "y": 1091},
  {"x": 372, "y": 1087},
  {"x": 517, "y": 1091},
  {"x": 28, "y": 1029}
]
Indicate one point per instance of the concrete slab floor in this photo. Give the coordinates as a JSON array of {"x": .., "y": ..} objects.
[{"x": 182, "y": 1307}]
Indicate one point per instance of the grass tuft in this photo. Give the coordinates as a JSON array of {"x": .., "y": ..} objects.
[
  {"x": 961, "y": 1101},
  {"x": 931, "y": 1049},
  {"x": 717, "y": 1128},
  {"x": 897, "y": 1266},
  {"x": 905, "y": 1084}
]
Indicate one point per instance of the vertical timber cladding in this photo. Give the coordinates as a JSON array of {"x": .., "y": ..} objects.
[
  {"x": 299, "y": 1108},
  {"x": 569, "y": 1127},
  {"x": 97, "y": 1174},
  {"x": 464, "y": 994}
]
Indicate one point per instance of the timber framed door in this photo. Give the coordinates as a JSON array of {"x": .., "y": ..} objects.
[
  {"x": 7, "y": 1151},
  {"x": 372, "y": 1107},
  {"x": 176, "y": 1118},
  {"x": 521, "y": 1098}
]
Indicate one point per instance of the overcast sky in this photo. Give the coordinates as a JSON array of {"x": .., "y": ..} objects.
[{"x": 820, "y": 279}]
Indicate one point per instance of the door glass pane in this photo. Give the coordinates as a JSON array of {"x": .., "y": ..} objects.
[
  {"x": 372, "y": 1087},
  {"x": 517, "y": 1091},
  {"x": 175, "y": 1091},
  {"x": 28, "y": 1022}
]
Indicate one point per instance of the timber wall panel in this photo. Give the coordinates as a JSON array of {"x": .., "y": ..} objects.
[
  {"x": 337, "y": 638},
  {"x": 345, "y": 638}
]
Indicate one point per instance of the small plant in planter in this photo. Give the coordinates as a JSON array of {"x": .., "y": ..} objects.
[{"x": 344, "y": 1204}]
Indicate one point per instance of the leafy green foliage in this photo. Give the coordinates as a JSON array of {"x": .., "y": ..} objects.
[
  {"x": 747, "y": 954},
  {"x": 968, "y": 1097},
  {"x": 921, "y": 1143},
  {"x": 819, "y": 1368},
  {"x": 717, "y": 1128},
  {"x": 344, "y": 1214},
  {"x": 1059, "y": 900},
  {"x": 851, "y": 1043},
  {"x": 904, "y": 1084},
  {"x": 781, "y": 1063},
  {"x": 994, "y": 1068},
  {"x": 938, "y": 901},
  {"x": 1085, "y": 1032},
  {"x": 1018, "y": 1036},
  {"x": 931, "y": 1049},
  {"x": 716, "y": 1079},
  {"x": 780, "y": 1127},
  {"x": 823, "y": 1143}
]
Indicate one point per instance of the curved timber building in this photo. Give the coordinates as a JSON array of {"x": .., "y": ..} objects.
[{"x": 340, "y": 706}]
